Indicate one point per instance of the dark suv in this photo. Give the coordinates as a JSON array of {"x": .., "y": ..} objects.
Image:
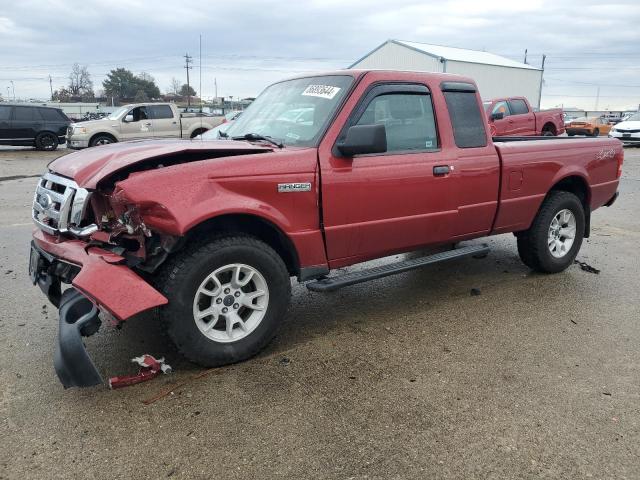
[{"x": 30, "y": 125}]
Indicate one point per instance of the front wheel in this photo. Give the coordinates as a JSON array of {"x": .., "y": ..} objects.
[
  {"x": 555, "y": 236},
  {"x": 596, "y": 133},
  {"x": 226, "y": 299}
]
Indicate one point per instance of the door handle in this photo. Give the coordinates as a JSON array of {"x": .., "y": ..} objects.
[
  {"x": 147, "y": 124},
  {"x": 441, "y": 170},
  {"x": 175, "y": 123}
]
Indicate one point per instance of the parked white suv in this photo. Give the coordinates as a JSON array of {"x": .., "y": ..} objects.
[{"x": 139, "y": 121}]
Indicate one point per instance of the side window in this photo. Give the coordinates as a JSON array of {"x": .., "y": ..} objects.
[
  {"x": 5, "y": 112},
  {"x": 161, "y": 111},
  {"x": 23, "y": 114},
  {"x": 50, "y": 115},
  {"x": 139, "y": 113},
  {"x": 466, "y": 119},
  {"x": 518, "y": 107},
  {"x": 501, "y": 107},
  {"x": 408, "y": 120}
]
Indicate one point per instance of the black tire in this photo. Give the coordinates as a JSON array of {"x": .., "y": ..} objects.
[
  {"x": 596, "y": 133},
  {"x": 182, "y": 276},
  {"x": 102, "y": 139},
  {"x": 571, "y": 134},
  {"x": 548, "y": 131},
  {"x": 533, "y": 244},
  {"x": 46, "y": 141},
  {"x": 197, "y": 132}
]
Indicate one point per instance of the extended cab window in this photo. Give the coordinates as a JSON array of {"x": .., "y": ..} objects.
[
  {"x": 161, "y": 111},
  {"x": 518, "y": 107},
  {"x": 408, "y": 120},
  {"x": 466, "y": 118}
]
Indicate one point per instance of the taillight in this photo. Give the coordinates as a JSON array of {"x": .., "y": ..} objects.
[{"x": 620, "y": 157}]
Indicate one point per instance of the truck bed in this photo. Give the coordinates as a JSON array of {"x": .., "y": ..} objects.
[{"x": 531, "y": 164}]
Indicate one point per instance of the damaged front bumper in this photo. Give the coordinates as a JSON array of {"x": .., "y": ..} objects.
[{"x": 101, "y": 281}]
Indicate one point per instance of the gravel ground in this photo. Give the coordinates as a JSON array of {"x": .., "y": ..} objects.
[{"x": 405, "y": 377}]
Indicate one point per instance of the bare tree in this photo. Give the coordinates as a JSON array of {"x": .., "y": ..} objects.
[
  {"x": 80, "y": 83},
  {"x": 175, "y": 86},
  {"x": 147, "y": 77}
]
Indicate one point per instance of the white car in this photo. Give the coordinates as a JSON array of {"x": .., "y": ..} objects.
[{"x": 628, "y": 131}]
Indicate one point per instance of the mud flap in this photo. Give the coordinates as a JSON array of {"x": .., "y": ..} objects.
[{"x": 78, "y": 318}]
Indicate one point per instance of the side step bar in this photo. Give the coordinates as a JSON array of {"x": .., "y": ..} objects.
[{"x": 352, "y": 278}]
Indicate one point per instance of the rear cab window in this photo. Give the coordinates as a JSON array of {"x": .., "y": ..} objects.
[{"x": 467, "y": 120}]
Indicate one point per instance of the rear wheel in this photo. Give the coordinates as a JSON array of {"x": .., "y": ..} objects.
[
  {"x": 226, "y": 299},
  {"x": 555, "y": 236},
  {"x": 548, "y": 131},
  {"x": 596, "y": 133},
  {"x": 46, "y": 141}
]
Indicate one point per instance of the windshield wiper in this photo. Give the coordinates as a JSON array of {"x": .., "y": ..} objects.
[{"x": 257, "y": 136}]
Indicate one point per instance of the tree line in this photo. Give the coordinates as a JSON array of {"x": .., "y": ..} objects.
[{"x": 120, "y": 84}]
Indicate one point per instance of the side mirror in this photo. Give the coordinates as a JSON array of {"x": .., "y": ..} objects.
[
  {"x": 497, "y": 116},
  {"x": 128, "y": 118},
  {"x": 362, "y": 139}
]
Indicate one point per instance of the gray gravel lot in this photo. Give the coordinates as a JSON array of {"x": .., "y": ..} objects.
[{"x": 405, "y": 377}]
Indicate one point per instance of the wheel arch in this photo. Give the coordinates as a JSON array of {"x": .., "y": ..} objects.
[
  {"x": 253, "y": 225},
  {"x": 198, "y": 131},
  {"x": 579, "y": 186},
  {"x": 549, "y": 127},
  {"x": 105, "y": 134}
]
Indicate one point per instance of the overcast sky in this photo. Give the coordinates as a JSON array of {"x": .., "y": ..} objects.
[{"x": 247, "y": 44}]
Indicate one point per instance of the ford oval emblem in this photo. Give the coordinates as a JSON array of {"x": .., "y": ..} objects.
[{"x": 45, "y": 201}]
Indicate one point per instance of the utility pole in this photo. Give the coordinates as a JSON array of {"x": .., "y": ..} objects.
[
  {"x": 544, "y": 57},
  {"x": 187, "y": 60},
  {"x": 525, "y": 55},
  {"x": 597, "y": 98},
  {"x": 13, "y": 87},
  {"x": 215, "y": 89},
  {"x": 51, "y": 87}
]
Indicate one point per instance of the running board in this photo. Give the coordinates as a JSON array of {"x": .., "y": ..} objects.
[{"x": 352, "y": 278}]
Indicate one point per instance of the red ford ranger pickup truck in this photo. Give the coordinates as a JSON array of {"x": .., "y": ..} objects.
[
  {"x": 209, "y": 233},
  {"x": 514, "y": 117}
]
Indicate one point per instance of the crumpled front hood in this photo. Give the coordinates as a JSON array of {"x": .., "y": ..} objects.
[{"x": 90, "y": 166}]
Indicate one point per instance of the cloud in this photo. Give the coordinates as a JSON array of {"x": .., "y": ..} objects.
[{"x": 250, "y": 43}]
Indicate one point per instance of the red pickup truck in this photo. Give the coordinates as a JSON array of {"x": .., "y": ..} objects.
[
  {"x": 209, "y": 233},
  {"x": 514, "y": 117}
]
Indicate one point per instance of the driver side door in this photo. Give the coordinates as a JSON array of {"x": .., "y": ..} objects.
[
  {"x": 140, "y": 126},
  {"x": 381, "y": 203}
]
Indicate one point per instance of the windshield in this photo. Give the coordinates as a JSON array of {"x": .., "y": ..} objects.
[
  {"x": 634, "y": 118},
  {"x": 293, "y": 112},
  {"x": 117, "y": 113}
]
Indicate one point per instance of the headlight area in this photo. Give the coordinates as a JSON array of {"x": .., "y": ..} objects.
[{"x": 123, "y": 231}]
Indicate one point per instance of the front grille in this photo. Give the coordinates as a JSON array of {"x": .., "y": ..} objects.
[
  {"x": 620, "y": 130},
  {"x": 58, "y": 204}
]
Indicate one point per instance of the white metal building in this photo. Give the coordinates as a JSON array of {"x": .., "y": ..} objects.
[{"x": 496, "y": 76}]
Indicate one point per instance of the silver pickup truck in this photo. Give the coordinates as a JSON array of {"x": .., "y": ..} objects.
[{"x": 140, "y": 121}]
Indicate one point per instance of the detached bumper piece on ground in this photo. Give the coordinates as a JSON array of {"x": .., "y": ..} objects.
[{"x": 78, "y": 318}]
